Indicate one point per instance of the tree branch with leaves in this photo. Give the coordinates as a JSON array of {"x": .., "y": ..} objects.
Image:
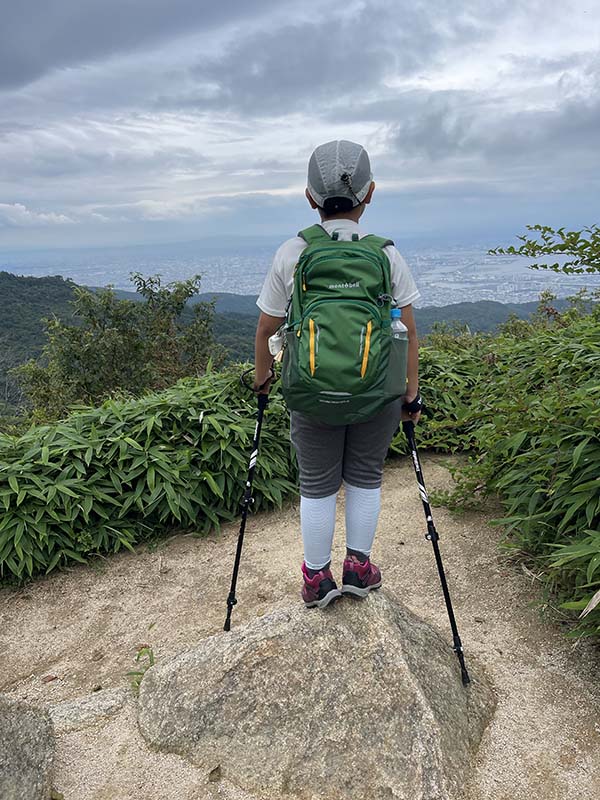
[{"x": 581, "y": 248}]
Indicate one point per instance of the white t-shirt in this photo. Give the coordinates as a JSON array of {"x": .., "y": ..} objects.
[{"x": 277, "y": 288}]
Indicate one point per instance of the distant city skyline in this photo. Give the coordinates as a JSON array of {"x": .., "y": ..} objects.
[{"x": 152, "y": 122}]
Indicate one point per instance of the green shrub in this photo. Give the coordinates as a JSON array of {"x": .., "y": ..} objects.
[
  {"x": 526, "y": 403},
  {"x": 453, "y": 364},
  {"x": 107, "y": 477},
  {"x": 110, "y": 345}
]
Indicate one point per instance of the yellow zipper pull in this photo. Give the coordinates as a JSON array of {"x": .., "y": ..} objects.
[
  {"x": 311, "y": 324},
  {"x": 365, "y": 359}
]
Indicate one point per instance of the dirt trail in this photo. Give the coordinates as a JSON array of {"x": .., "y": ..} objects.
[{"x": 85, "y": 626}]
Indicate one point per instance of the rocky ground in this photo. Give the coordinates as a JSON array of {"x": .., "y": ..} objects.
[{"x": 74, "y": 635}]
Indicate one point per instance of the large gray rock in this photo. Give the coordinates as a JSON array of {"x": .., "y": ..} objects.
[
  {"x": 363, "y": 700},
  {"x": 73, "y": 715},
  {"x": 26, "y": 752}
]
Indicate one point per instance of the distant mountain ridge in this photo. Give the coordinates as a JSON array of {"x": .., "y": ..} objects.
[
  {"x": 486, "y": 314},
  {"x": 26, "y": 301}
]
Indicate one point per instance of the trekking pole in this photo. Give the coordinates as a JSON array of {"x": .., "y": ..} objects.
[
  {"x": 263, "y": 400},
  {"x": 433, "y": 536}
]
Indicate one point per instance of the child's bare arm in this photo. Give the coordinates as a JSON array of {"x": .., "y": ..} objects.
[
  {"x": 263, "y": 360},
  {"x": 412, "y": 370}
]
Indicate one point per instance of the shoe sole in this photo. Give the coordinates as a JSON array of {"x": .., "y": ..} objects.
[
  {"x": 357, "y": 591},
  {"x": 330, "y": 597}
]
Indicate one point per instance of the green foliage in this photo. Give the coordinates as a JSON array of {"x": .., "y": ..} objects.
[
  {"x": 582, "y": 248},
  {"x": 26, "y": 302},
  {"x": 577, "y": 565},
  {"x": 120, "y": 346},
  {"x": 108, "y": 477},
  {"x": 236, "y": 333},
  {"x": 526, "y": 404},
  {"x": 452, "y": 363},
  {"x": 145, "y": 658},
  {"x": 523, "y": 402},
  {"x": 23, "y": 303}
]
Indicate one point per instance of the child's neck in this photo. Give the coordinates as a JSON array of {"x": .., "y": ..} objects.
[{"x": 353, "y": 215}]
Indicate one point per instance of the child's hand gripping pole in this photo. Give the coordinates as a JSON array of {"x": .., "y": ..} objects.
[
  {"x": 247, "y": 501},
  {"x": 433, "y": 536}
]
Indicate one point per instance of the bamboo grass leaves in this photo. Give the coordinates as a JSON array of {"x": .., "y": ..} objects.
[
  {"x": 526, "y": 404},
  {"x": 106, "y": 478}
]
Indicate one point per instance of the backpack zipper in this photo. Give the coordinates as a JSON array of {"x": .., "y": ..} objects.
[
  {"x": 348, "y": 253},
  {"x": 310, "y": 309},
  {"x": 368, "y": 257},
  {"x": 365, "y": 304},
  {"x": 365, "y": 359}
]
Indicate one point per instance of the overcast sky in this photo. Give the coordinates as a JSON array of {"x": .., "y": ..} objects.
[{"x": 148, "y": 120}]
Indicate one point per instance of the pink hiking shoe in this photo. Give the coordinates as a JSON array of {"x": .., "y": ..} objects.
[
  {"x": 359, "y": 578},
  {"x": 320, "y": 590}
]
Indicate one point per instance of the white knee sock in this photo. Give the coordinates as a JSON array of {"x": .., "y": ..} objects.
[
  {"x": 317, "y": 519},
  {"x": 362, "y": 513}
]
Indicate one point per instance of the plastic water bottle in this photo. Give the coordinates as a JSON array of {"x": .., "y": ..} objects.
[{"x": 399, "y": 329}]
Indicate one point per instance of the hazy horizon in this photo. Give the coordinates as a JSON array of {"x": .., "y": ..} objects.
[{"x": 445, "y": 273}]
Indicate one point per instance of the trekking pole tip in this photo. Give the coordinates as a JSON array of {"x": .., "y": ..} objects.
[
  {"x": 227, "y": 626},
  {"x": 466, "y": 680}
]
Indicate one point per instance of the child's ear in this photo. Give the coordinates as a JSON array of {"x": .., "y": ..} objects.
[
  {"x": 310, "y": 199},
  {"x": 369, "y": 194}
]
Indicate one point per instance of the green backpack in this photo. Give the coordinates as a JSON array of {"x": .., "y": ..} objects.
[{"x": 340, "y": 363}]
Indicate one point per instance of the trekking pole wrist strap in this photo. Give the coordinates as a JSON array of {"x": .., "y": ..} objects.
[
  {"x": 262, "y": 386},
  {"x": 414, "y": 405},
  {"x": 245, "y": 380}
]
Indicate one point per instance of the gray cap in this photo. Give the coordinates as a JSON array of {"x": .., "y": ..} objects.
[{"x": 330, "y": 162}]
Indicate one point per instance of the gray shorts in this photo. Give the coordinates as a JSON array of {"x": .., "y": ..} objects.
[{"x": 328, "y": 454}]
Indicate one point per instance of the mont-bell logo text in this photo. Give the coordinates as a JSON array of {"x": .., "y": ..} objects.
[{"x": 354, "y": 285}]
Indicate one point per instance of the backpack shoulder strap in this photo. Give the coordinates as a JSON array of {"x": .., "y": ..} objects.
[
  {"x": 377, "y": 241},
  {"x": 314, "y": 234}
]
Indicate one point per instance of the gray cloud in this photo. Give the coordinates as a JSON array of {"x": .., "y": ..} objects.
[
  {"x": 141, "y": 111},
  {"x": 299, "y": 67},
  {"x": 38, "y": 37},
  {"x": 268, "y": 62},
  {"x": 445, "y": 125},
  {"x": 331, "y": 63},
  {"x": 544, "y": 67},
  {"x": 62, "y": 160},
  {"x": 433, "y": 124}
]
